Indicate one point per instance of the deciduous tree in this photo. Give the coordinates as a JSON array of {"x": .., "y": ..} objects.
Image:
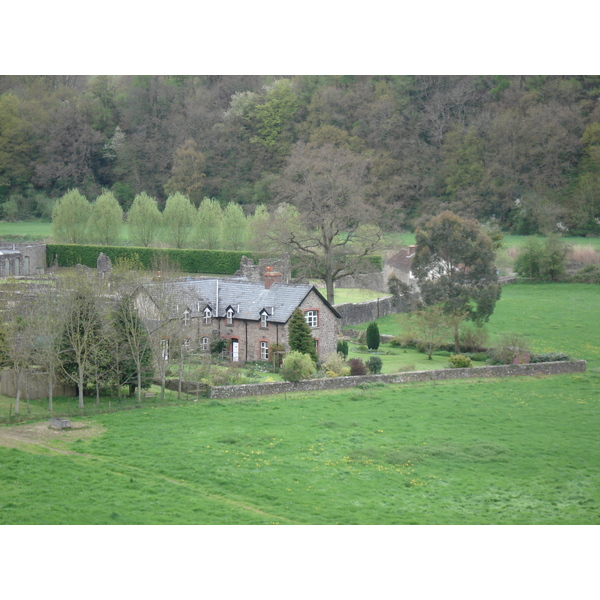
[
  {"x": 178, "y": 217},
  {"x": 70, "y": 217},
  {"x": 209, "y": 224},
  {"x": 106, "y": 219},
  {"x": 454, "y": 266},
  {"x": 144, "y": 220},
  {"x": 334, "y": 229}
]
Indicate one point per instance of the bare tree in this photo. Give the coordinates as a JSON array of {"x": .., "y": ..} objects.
[{"x": 332, "y": 230}]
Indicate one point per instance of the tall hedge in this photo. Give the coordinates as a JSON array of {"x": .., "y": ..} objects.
[{"x": 221, "y": 262}]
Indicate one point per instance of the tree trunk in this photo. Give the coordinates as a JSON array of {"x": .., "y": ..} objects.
[
  {"x": 456, "y": 339},
  {"x": 80, "y": 387}
]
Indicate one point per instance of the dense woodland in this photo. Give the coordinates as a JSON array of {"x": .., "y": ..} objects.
[{"x": 523, "y": 151}]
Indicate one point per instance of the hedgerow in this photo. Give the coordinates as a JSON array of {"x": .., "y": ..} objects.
[{"x": 189, "y": 260}]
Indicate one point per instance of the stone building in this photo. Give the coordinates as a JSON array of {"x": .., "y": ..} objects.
[
  {"x": 253, "y": 316},
  {"x": 22, "y": 259}
]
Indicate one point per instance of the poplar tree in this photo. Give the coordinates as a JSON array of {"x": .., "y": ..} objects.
[
  {"x": 106, "y": 219},
  {"x": 144, "y": 220},
  {"x": 178, "y": 218},
  {"x": 70, "y": 217}
]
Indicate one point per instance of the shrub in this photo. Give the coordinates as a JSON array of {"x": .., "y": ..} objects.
[
  {"x": 473, "y": 339},
  {"x": 374, "y": 364},
  {"x": 587, "y": 274},
  {"x": 334, "y": 364},
  {"x": 460, "y": 361},
  {"x": 549, "y": 357},
  {"x": 479, "y": 356},
  {"x": 342, "y": 347},
  {"x": 297, "y": 366},
  {"x": 357, "y": 367},
  {"x": 373, "y": 337},
  {"x": 509, "y": 347}
]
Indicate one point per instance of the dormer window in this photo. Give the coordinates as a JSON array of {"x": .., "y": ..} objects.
[
  {"x": 186, "y": 317},
  {"x": 207, "y": 315},
  {"x": 263, "y": 318},
  {"x": 229, "y": 314}
]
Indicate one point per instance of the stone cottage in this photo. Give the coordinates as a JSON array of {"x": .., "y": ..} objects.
[{"x": 252, "y": 315}]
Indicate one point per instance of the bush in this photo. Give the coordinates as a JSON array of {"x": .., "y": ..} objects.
[
  {"x": 473, "y": 339},
  {"x": 479, "y": 356},
  {"x": 549, "y": 357},
  {"x": 334, "y": 364},
  {"x": 509, "y": 347},
  {"x": 545, "y": 261},
  {"x": 460, "y": 361},
  {"x": 587, "y": 274},
  {"x": 374, "y": 364},
  {"x": 373, "y": 337},
  {"x": 357, "y": 367},
  {"x": 297, "y": 366}
]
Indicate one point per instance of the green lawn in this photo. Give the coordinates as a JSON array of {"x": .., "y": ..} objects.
[{"x": 513, "y": 451}]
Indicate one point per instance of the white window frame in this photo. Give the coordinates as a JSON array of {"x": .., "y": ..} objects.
[
  {"x": 164, "y": 349},
  {"x": 264, "y": 350},
  {"x": 230, "y": 313},
  {"x": 187, "y": 342},
  {"x": 263, "y": 320},
  {"x": 187, "y": 318},
  {"x": 207, "y": 316},
  {"x": 205, "y": 344},
  {"x": 312, "y": 318}
]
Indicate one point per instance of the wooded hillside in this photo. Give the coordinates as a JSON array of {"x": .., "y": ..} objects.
[{"x": 522, "y": 150}]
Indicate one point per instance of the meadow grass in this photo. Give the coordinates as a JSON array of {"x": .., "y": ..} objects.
[{"x": 506, "y": 451}]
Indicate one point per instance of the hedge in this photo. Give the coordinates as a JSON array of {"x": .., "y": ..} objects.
[{"x": 222, "y": 262}]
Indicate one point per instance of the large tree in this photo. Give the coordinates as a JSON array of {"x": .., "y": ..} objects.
[
  {"x": 454, "y": 267},
  {"x": 179, "y": 218},
  {"x": 144, "y": 219},
  {"x": 70, "y": 217},
  {"x": 106, "y": 219},
  {"x": 333, "y": 229}
]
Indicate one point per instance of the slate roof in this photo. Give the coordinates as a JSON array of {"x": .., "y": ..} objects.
[{"x": 247, "y": 298}]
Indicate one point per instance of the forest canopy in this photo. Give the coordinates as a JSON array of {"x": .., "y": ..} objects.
[{"x": 520, "y": 151}]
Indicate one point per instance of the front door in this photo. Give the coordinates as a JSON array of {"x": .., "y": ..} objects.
[{"x": 235, "y": 350}]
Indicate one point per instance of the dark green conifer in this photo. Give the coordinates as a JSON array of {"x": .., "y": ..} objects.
[{"x": 300, "y": 338}]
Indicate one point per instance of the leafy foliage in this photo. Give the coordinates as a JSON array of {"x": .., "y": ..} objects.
[
  {"x": 460, "y": 361},
  {"x": 297, "y": 366},
  {"x": 373, "y": 337},
  {"x": 300, "y": 337},
  {"x": 374, "y": 364}
]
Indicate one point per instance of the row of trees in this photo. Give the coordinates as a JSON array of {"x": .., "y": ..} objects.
[
  {"x": 86, "y": 332},
  {"x": 524, "y": 150},
  {"x": 75, "y": 220}
]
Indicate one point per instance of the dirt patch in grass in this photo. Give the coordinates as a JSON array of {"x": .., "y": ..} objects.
[{"x": 41, "y": 434}]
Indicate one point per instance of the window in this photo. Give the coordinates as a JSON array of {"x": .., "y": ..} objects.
[
  {"x": 312, "y": 318},
  {"x": 204, "y": 344},
  {"x": 187, "y": 344},
  {"x": 263, "y": 319},
  {"x": 229, "y": 316},
  {"x": 264, "y": 351},
  {"x": 207, "y": 316},
  {"x": 164, "y": 349},
  {"x": 186, "y": 317}
]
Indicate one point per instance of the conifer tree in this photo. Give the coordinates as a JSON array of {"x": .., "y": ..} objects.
[
  {"x": 373, "y": 338},
  {"x": 301, "y": 339}
]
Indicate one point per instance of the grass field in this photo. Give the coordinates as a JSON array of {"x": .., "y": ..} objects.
[{"x": 465, "y": 452}]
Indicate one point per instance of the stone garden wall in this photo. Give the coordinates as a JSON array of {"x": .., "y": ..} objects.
[{"x": 335, "y": 383}]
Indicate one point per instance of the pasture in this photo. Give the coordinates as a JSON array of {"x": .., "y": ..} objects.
[{"x": 514, "y": 451}]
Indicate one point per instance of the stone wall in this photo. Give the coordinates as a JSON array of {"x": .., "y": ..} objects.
[
  {"x": 336, "y": 383},
  {"x": 34, "y": 386},
  {"x": 364, "y": 312}
]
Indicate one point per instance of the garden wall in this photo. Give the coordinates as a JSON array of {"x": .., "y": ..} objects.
[
  {"x": 336, "y": 383},
  {"x": 364, "y": 312}
]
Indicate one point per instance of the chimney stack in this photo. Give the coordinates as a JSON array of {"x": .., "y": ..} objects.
[{"x": 271, "y": 277}]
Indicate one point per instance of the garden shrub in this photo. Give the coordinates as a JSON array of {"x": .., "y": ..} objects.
[
  {"x": 373, "y": 337},
  {"x": 479, "y": 356},
  {"x": 374, "y": 364},
  {"x": 473, "y": 338},
  {"x": 460, "y": 361},
  {"x": 357, "y": 367},
  {"x": 509, "y": 347},
  {"x": 334, "y": 364},
  {"x": 549, "y": 357},
  {"x": 342, "y": 347},
  {"x": 297, "y": 366}
]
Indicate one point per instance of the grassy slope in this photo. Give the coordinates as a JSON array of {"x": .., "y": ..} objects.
[{"x": 512, "y": 451}]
